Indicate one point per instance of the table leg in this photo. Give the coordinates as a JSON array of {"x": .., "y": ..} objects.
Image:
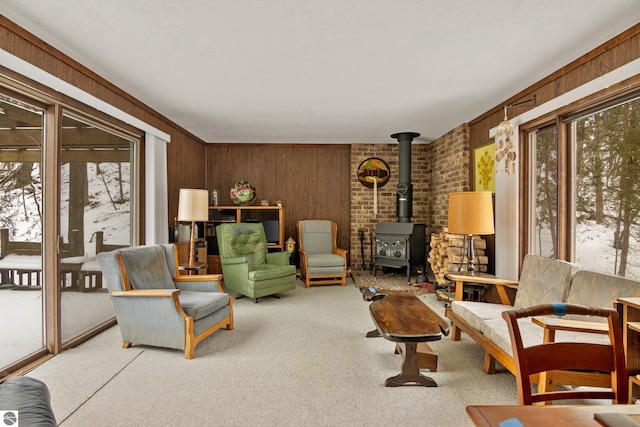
[
  {"x": 410, "y": 371},
  {"x": 427, "y": 358},
  {"x": 546, "y": 384},
  {"x": 633, "y": 383}
]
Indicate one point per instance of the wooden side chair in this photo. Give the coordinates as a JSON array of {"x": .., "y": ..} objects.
[
  {"x": 578, "y": 357},
  {"x": 321, "y": 261}
]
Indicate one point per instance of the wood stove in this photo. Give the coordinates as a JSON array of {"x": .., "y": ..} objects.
[
  {"x": 399, "y": 245},
  {"x": 402, "y": 244}
]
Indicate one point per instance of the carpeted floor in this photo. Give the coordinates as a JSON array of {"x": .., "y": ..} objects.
[{"x": 301, "y": 360}]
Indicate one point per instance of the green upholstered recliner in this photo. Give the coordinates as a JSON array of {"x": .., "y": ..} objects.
[
  {"x": 155, "y": 306},
  {"x": 321, "y": 261},
  {"x": 247, "y": 267}
]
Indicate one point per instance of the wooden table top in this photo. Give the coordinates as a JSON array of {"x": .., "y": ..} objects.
[
  {"x": 195, "y": 266},
  {"x": 631, "y": 301},
  {"x": 402, "y": 317},
  {"x": 540, "y": 416}
]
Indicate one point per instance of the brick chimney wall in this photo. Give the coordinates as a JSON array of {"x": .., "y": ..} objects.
[
  {"x": 437, "y": 169},
  {"x": 449, "y": 172}
]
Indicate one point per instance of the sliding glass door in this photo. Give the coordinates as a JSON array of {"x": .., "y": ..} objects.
[
  {"x": 95, "y": 215},
  {"x": 21, "y": 219},
  {"x": 67, "y": 192}
]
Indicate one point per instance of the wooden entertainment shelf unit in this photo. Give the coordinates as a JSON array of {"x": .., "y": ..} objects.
[{"x": 271, "y": 216}]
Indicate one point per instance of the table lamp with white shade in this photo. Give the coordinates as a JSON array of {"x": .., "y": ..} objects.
[
  {"x": 471, "y": 213},
  {"x": 193, "y": 206}
]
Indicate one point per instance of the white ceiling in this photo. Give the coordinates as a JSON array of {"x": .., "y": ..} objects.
[{"x": 324, "y": 71}]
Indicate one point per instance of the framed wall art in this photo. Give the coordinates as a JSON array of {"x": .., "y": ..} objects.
[
  {"x": 374, "y": 173},
  {"x": 484, "y": 166}
]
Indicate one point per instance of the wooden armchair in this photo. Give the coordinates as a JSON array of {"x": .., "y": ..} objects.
[
  {"x": 157, "y": 307},
  {"x": 321, "y": 261},
  {"x": 584, "y": 356}
]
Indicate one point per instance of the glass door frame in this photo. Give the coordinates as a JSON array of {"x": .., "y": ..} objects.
[{"x": 53, "y": 105}]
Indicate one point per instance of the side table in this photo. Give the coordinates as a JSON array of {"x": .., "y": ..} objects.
[
  {"x": 634, "y": 382},
  {"x": 196, "y": 268},
  {"x": 546, "y": 382},
  {"x": 629, "y": 311}
]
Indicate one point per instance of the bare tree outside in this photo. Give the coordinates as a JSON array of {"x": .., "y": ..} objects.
[
  {"x": 607, "y": 182},
  {"x": 546, "y": 179}
]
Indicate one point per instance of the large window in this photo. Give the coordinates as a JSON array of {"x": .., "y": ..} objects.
[{"x": 602, "y": 180}]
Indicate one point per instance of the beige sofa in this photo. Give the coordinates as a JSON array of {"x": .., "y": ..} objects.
[{"x": 542, "y": 280}]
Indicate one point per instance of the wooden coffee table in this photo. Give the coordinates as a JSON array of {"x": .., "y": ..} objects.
[
  {"x": 404, "y": 319},
  {"x": 549, "y": 415}
]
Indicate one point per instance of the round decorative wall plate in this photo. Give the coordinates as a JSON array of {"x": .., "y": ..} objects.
[
  {"x": 242, "y": 193},
  {"x": 373, "y": 169}
]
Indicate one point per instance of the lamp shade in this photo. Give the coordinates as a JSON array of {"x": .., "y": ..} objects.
[
  {"x": 193, "y": 205},
  {"x": 471, "y": 212}
]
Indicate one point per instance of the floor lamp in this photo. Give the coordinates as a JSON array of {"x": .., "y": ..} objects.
[
  {"x": 471, "y": 213},
  {"x": 193, "y": 206}
]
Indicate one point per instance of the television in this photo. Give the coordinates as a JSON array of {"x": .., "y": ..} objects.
[{"x": 272, "y": 230}]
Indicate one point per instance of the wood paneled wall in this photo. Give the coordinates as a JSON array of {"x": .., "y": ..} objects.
[
  {"x": 313, "y": 181},
  {"x": 186, "y": 168}
]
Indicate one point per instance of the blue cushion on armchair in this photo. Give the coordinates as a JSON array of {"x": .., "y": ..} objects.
[
  {"x": 147, "y": 268},
  {"x": 202, "y": 304}
]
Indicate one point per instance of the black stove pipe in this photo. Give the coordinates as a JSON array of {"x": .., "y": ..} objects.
[{"x": 404, "y": 189}]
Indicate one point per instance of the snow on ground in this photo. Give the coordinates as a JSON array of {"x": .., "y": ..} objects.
[
  {"x": 106, "y": 210},
  {"x": 595, "y": 251}
]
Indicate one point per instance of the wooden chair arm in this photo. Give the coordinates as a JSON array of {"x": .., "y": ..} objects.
[
  {"x": 153, "y": 293},
  {"x": 161, "y": 293},
  {"x": 202, "y": 279},
  {"x": 482, "y": 279},
  {"x": 198, "y": 278}
]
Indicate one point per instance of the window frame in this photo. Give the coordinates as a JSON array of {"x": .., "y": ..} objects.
[{"x": 562, "y": 119}]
